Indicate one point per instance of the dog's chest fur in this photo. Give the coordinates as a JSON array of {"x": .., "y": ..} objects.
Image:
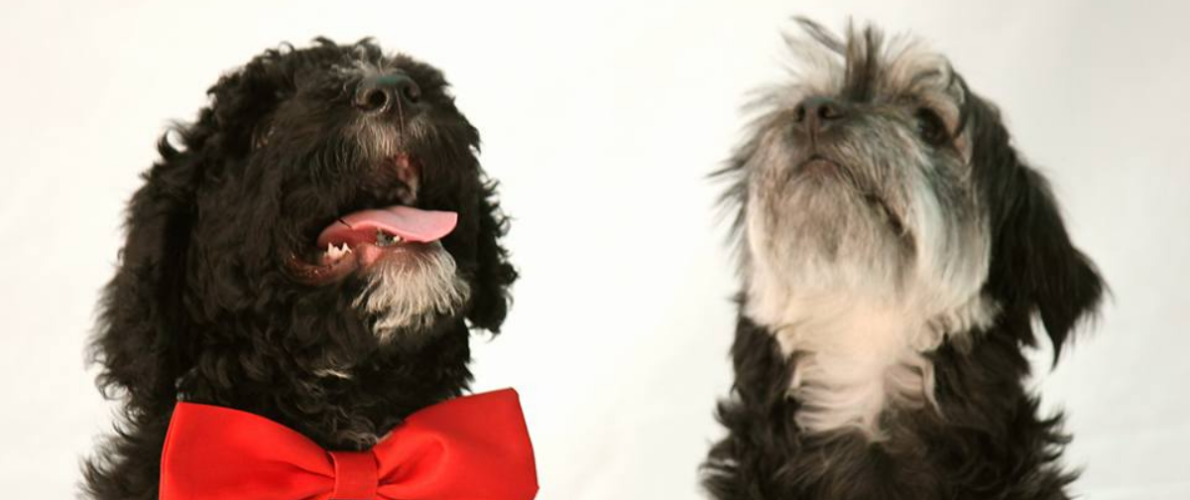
[{"x": 857, "y": 353}]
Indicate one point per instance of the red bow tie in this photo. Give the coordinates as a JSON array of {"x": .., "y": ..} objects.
[{"x": 470, "y": 448}]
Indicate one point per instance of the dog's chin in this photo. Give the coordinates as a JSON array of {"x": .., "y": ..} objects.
[
  {"x": 825, "y": 212},
  {"x": 409, "y": 289},
  {"x": 828, "y": 177}
]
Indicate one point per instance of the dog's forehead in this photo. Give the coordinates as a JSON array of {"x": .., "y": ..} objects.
[
  {"x": 919, "y": 72},
  {"x": 864, "y": 68},
  {"x": 362, "y": 63}
]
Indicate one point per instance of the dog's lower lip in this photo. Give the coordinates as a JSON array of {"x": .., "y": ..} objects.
[{"x": 318, "y": 274}]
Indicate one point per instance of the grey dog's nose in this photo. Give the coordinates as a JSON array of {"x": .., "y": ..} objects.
[
  {"x": 816, "y": 114},
  {"x": 380, "y": 93}
]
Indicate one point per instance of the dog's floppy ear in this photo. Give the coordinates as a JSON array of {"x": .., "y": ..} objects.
[
  {"x": 1037, "y": 266},
  {"x": 490, "y": 299},
  {"x": 140, "y": 340}
]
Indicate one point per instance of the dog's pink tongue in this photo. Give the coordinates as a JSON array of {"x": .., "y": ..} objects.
[{"x": 409, "y": 223}]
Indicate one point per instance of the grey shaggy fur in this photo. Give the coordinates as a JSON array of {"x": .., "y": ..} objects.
[{"x": 894, "y": 251}]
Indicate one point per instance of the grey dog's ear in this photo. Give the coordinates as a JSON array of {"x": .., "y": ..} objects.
[
  {"x": 140, "y": 337},
  {"x": 1036, "y": 264},
  {"x": 1035, "y": 268}
]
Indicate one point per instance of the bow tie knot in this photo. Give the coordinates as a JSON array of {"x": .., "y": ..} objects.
[
  {"x": 470, "y": 448},
  {"x": 356, "y": 477}
]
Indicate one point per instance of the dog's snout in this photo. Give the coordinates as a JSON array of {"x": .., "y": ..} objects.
[
  {"x": 816, "y": 114},
  {"x": 380, "y": 93}
]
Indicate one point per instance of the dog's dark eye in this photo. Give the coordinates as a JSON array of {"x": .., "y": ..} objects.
[
  {"x": 260, "y": 136},
  {"x": 931, "y": 127}
]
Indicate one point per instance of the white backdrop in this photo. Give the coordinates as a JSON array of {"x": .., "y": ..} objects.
[{"x": 602, "y": 121}]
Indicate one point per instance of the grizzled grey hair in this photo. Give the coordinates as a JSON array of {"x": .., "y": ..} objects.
[
  {"x": 407, "y": 291},
  {"x": 863, "y": 240}
]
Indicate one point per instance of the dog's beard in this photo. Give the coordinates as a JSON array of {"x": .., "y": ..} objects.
[
  {"x": 858, "y": 268},
  {"x": 879, "y": 214},
  {"x": 406, "y": 293}
]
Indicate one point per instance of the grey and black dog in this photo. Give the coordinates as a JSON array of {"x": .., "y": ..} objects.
[{"x": 894, "y": 251}]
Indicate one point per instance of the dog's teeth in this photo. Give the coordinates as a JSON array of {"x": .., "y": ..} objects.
[
  {"x": 384, "y": 239},
  {"x": 336, "y": 253}
]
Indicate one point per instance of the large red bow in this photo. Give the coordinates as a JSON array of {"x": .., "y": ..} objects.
[{"x": 469, "y": 448}]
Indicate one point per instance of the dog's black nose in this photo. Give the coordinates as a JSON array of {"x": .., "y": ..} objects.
[
  {"x": 816, "y": 114},
  {"x": 380, "y": 93}
]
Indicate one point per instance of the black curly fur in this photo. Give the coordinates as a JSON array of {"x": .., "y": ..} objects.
[
  {"x": 986, "y": 440},
  {"x": 203, "y": 307}
]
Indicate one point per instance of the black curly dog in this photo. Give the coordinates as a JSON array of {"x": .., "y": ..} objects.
[{"x": 229, "y": 292}]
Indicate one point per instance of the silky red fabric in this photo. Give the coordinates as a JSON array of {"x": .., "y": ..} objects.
[{"x": 470, "y": 448}]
